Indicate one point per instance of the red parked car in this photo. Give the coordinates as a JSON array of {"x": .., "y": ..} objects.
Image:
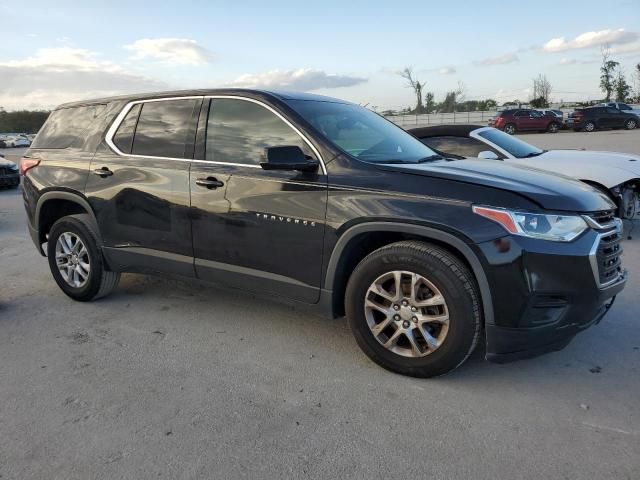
[{"x": 521, "y": 120}]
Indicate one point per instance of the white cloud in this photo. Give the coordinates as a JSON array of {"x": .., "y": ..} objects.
[
  {"x": 447, "y": 70},
  {"x": 57, "y": 75},
  {"x": 591, "y": 40},
  {"x": 302, "y": 79},
  {"x": 629, "y": 49},
  {"x": 500, "y": 60},
  {"x": 171, "y": 51}
]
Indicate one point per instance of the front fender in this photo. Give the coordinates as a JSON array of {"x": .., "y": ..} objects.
[{"x": 425, "y": 232}]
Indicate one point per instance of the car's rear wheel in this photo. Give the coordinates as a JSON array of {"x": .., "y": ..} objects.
[
  {"x": 553, "y": 127},
  {"x": 630, "y": 124},
  {"x": 589, "y": 127},
  {"x": 510, "y": 128},
  {"x": 76, "y": 261},
  {"x": 414, "y": 309}
]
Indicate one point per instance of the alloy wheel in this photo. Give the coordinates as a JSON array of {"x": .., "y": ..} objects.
[
  {"x": 590, "y": 127},
  {"x": 510, "y": 129},
  {"x": 406, "y": 313},
  {"x": 72, "y": 259}
]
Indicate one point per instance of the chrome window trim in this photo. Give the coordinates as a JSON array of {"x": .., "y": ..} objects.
[{"x": 125, "y": 110}]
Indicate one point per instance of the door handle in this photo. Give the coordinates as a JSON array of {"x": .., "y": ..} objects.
[
  {"x": 209, "y": 182},
  {"x": 103, "y": 172}
]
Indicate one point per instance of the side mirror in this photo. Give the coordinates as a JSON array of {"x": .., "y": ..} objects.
[
  {"x": 488, "y": 155},
  {"x": 288, "y": 157}
]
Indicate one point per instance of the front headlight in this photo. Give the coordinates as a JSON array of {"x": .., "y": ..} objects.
[
  {"x": 558, "y": 228},
  {"x": 13, "y": 167}
]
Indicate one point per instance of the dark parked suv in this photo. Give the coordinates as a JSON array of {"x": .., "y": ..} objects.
[
  {"x": 522, "y": 120},
  {"x": 326, "y": 203},
  {"x": 595, "y": 118}
]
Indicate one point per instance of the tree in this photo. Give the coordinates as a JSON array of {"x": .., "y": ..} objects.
[
  {"x": 416, "y": 86},
  {"x": 606, "y": 72},
  {"x": 621, "y": 87},
  {"x": 541, "y": 92},
  {"x": 429, "y": 103},
  {"x": 449, "y": 103}
]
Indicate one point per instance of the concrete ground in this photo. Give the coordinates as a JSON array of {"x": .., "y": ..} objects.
[{"x": 166, "y": 379}]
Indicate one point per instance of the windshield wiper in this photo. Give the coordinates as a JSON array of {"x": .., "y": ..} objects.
[
  {"x": 533, "y": 154},
  {"x": 431, "y": 158}
]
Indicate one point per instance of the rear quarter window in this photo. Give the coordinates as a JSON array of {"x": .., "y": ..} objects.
[{"x": 66, "y": 127}]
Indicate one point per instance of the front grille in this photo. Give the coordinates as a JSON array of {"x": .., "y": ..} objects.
[
  {"x": 604, "y": 217},
  {"x": 607, "y": 257}
]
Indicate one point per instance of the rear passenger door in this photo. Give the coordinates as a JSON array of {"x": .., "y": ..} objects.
[
  {"x": 138, "y": 185},
  {"x": 253, "y": 228}
]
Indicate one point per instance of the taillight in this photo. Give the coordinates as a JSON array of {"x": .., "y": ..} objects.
[{"x": 27, "y": 164}]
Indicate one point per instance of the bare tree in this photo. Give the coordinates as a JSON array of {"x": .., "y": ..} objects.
[
  {"x": 606, "y": 72},
  {"x": 541, "y": 91},
  {"x": 415, "y": 85},
  {"x": 460, "y": 91}
]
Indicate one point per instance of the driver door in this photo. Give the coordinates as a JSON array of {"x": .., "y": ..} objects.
[{"x": 255, "y": 229}]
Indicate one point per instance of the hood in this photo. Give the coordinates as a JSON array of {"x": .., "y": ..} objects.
[
  {"x": 605, "y": 168},
  {"x": 552, "y": 192}
]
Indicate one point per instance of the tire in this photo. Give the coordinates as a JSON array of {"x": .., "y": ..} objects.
[
  {"x": 553, "y": 127},
  {"x": 97, "y": 281},
  {"x": 510, "y": 128},
  {"x": 440, "y": 275},
  {"x": 630, "y": 124},
  {"x": 589, "y": 127}
]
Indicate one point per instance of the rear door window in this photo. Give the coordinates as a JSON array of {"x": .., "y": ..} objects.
[
  {"x": 66, "y": 127},
  {"x": 163, "y": 128}
]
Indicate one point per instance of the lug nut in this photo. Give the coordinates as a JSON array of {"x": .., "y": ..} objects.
[
  {"x": 405, "y": 303},
  {"x": 396, "y": 307},
  {"x": 405, "y": 324},
  {"x": 415, "y": 319},
  {"x": 396, "y": 317},
  {"x": 414, "y": 309}
]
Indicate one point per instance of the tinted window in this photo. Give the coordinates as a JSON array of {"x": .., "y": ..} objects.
[
  {"x": 66, "y": 127},
  {"x": 624, "y": 106},
  {"x": 238, "y": 132},
  {"x": 123, "y": 139},
  {"x": 464, "y": 146},
  {"x": 163, "y": 127},
  {"x": 361, "y": 133},
  {"x": 522, "y": 113},
  {"x": 615, "y": 111}
]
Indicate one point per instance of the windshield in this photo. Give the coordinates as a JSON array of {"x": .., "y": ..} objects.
[
  {"x": 511, "y": 144},
  {"x": 362, "y": 133}
]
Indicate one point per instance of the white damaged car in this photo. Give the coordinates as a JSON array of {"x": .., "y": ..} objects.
[{"x": 616, "y": 174}]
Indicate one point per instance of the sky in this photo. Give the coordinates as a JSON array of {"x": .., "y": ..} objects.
[{"x": 54, "y": 52}]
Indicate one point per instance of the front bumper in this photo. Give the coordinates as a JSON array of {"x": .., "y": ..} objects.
[
  {"x": 544, "y": 293},
  {"x": 509, "y": 344},
  {"x": 10, "y": 180}
]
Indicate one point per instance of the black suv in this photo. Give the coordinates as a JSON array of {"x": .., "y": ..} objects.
[
  {"x": 594, "y": 118},
  {"x": 329, "y": 204}
]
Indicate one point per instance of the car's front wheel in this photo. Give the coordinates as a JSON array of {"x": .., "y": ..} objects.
[
  {"x": 589, "y": 127},
  {"x": 76, "y": 261},
  {"x": 414, "y": 309},
  {"x": 510, "y": 128},
  {"x": 630, "y": 124}
]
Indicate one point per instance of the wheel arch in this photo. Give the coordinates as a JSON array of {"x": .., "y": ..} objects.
[
  {"x": 346, "y": 255},
  {"x": 53, "y": 205}
]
